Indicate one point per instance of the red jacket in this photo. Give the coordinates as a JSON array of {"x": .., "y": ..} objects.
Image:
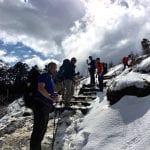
[
  {"x": 99, "y": 67},
  {"x": 125, "y": 60}
]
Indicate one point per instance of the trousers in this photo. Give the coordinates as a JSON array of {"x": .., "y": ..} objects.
[{"x": 41, "y": 116}]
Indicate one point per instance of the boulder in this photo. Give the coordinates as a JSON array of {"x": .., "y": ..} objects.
[
  {"x": 134, "y": 84},
  {"x": 115, "y": 96}
]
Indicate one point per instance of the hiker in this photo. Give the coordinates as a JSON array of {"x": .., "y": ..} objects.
[
  {"x": 68, "y": 80},
  {"x": 100, "y": 74},
  {"x": 125, "y": 62},
  {"x": 60, "y": 76},
  {"x": 91, "y": 69},
  {"x": 43, "y": 105}
]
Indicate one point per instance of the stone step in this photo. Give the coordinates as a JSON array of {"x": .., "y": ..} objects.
[{"x": 87, "y": 98}]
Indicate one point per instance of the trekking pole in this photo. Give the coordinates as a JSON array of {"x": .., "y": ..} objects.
[{"x": 55, "y": 125}]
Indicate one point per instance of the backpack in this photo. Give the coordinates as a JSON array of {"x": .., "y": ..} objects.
[
  {"x": 63, "y": 70},
  {"x": 31, "y": 87}
]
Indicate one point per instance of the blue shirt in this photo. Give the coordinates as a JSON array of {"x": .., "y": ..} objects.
[{"x": 49, "y": 86}]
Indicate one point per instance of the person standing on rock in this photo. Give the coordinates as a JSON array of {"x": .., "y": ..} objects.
[{"x": 43, "y": 105}]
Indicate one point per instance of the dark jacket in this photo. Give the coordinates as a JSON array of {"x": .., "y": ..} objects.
[
  {"x": 66, "y": 71},
  {"x": 92, "y": 66},
  {"x": 69, "y": 72}
]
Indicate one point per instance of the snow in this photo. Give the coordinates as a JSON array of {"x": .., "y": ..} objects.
[
  {"x": 16, "y": 107},
  {"x": 131, "y": 79},
  {"x": 124, "y": 126},
  {"x": 116, "y": 70},
  {"x": 14, "y": 111},
  {"x": 14, "y": 118},
  {"x": 144, "y": 65}
]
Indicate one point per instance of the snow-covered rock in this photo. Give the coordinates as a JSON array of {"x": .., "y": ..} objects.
[
  {"x": 144, "y": 66},
  {"x": 133, "y": 83},
  {"x": 131, "y": 79},
  {"x": 14, "y": 118}
]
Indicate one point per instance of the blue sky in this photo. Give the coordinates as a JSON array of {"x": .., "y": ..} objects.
[
  {"x": 18, "y": 49},
  {"x": 21, "y": 52},
  {"x": 39, "y": 31}
]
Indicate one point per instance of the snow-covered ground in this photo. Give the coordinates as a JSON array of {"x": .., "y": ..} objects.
[
  {"x": 123, "y": 126},
  {"x": 15, "y": 128}
]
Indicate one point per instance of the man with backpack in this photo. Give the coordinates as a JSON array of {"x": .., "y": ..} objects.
[
  {"x": 66, "y": 76},
  {"x": 60, "y": 76},
  {"x": 43, "y": 105},
  {"x": 92, "y": 68}
]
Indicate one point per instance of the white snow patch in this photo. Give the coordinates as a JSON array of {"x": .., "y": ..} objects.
[
  {"x": 114, "y": 71},
  {"x": 130, "y": 79},
  {"x": 14, "y": 114},
  {"x": 144, "y": 65}
]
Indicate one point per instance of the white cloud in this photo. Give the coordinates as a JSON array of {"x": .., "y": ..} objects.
[
  {"x": 36, "y": 60},
  {"x": 10, "y": 59},
  {"x": 111, "y": 31},
  {"x": 26, "y": 56},
  {"x": 38, "y": 28},
  {"x": 2, "y": 52},
  {"x": 7, "y": 58},
  {"x": 105, "y": 28}
]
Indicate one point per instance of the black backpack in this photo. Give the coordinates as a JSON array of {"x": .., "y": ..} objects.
[
  {"x": 60, "y": 75},
  {"x": 31, "y": 87}
]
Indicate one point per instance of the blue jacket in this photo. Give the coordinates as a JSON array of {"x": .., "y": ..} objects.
[{"x": 49, "y": 86}]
